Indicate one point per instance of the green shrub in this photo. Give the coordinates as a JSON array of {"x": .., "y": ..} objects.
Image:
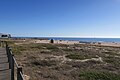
[
  {"x": 98, "y": 75},
  {"x": 112, "y": 60},
  {"x": 18, "y": 49},
  {"x": 44, "y": 62},
  {"x": 68, "y": 50},
  {"x": 77, "y": 56},
  {"x": 112, "y": 53},
  {"x": 52, "y": 47}
]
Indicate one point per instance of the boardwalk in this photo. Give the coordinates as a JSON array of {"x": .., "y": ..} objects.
[
  {"x": 5, "y": 72},
  {"x": 8, "y": 64}
]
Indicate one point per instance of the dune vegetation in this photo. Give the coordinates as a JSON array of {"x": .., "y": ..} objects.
[{"x": 67, "y": 62}]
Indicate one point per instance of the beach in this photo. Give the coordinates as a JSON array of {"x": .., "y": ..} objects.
[
  {"x": 65, "y": 58},
  {"x": 114, "y": 44}
]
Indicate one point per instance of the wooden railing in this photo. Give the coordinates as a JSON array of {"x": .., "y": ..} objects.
[
  {"x": 12, "y": 63},
  {"x": 2, "y": 44}
]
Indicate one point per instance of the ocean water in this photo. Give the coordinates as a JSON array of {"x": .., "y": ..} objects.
[
  {"x": 80, "y": 39},
  {"x": 90, "y": 39}
]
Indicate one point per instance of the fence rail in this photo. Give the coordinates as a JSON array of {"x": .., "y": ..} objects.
[{"x": 12, "y": 63}]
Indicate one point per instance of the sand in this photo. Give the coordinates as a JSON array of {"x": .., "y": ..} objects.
[
  {"x": 115, "y": 44},
  {"x": 57, "y": 41}
]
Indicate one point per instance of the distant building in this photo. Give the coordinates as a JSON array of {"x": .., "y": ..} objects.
[{"x": 5, "y": 35}]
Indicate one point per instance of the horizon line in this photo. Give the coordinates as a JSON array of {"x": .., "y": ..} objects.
[{"x": 73, "y": 36}]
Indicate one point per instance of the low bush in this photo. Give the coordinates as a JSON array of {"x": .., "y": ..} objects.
[
  {"x": 78, "y": 56},
  {"x": 68, "y": 50},
  {"x": 98, "y": 75},
  {"x": 44, "y": 62},
  {"x": 52, "y": 47}
]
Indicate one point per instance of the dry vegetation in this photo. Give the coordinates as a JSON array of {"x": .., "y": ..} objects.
[{"x": 68, "y": 62}]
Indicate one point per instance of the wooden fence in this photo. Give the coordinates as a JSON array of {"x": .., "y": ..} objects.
[{"x": 12, "y": 63}]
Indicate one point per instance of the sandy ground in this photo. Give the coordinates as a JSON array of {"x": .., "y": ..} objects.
[
  {"x": 51, "y": 61},
  {"x": 57, "y": 41},
  {"x": 116, "y": 44}
]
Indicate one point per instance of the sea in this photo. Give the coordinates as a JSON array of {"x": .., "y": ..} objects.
[{"x": 79, "y": 39}]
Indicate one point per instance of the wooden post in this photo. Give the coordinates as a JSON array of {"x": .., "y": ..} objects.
[
  {"x": 8, "y": 54},
  {"x": 11, "y": 61},
  {"x": 12, "y": 67},
  {"x": 19, "y": 70},
  {"x": 11, "y": 64},
  {"x": 0, "y": 44}
]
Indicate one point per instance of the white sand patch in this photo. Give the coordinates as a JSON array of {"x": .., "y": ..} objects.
[
  {"x": 116, "y": 44},
  {"x": 26, "y": 77},
  {"x": 95, "y": 59},
  {"x": 63, "y": 59},
  {"x": 57, "y": 41}
]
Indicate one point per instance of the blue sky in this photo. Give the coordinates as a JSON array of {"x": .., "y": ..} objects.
[{"x": 71, "y": 18}]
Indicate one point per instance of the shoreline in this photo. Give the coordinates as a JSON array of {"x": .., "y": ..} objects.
[
  {"x": 114, "y": 44},
  {"x": 73, "y": 39},
  {"x": 59, "y": 41}
]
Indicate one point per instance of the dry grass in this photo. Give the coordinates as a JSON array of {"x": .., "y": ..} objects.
[{"x": 39, "y": 61}]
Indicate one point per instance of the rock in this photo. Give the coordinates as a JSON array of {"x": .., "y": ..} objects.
[{"x": 27, "y": 77}]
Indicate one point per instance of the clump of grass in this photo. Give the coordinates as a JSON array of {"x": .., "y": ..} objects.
[
  {"x": 35, "y": 46},
  {"x": 32, "y": 47},
  {"x": 75, "y": 56},
  {"x": 46, "y": 52},
  {"x": 98, "y": 75},
  {"x": 26, "y": 47},
  {"x": 52, "y": 47},
  {"x": 68, "y": 50},
  {"x": 41, "y": 46},
  {"x": 79, "y": 56},
  {"x": 112, "y": 60},
  {"x": 44, "y": 62},
  {"x": 18, "y": 49},
  {"x": 112, "y": 53},
  {"x": 10, "y": 42}
]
